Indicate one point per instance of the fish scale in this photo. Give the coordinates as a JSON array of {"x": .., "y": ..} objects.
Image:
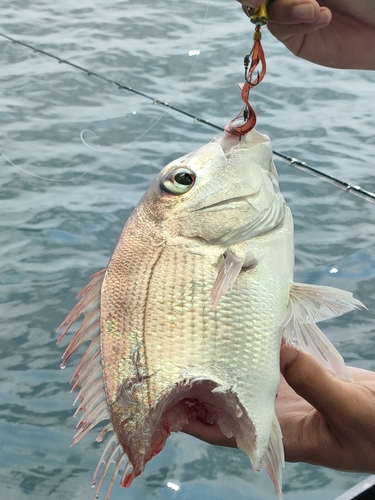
[
  {"x": 183, "y": 336},
  {"x": 239, "y": 310},
  {"x": 119, "y": 315}
]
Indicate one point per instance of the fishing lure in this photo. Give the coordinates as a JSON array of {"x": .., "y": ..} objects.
[{"x": 246, "y": 119}]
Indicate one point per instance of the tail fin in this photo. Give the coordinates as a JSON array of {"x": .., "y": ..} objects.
[{"x": 273, "y": 461}]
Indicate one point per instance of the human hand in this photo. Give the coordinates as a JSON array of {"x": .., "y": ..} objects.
[
  {"x": 324, "y": 420},
  {"x": 334, "y": 33}
]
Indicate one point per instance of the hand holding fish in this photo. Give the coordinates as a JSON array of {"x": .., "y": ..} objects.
[
  {"x": 326, "y": 421},
  {"x": 329, "y": 33}
]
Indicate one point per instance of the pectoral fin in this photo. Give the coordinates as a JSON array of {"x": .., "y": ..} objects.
[
  {"x": 228, "y": 273},
  {"x": 309, "y": 304}
]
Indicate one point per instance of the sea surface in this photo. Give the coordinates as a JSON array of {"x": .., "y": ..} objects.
[{"x": 77, "y": 154}]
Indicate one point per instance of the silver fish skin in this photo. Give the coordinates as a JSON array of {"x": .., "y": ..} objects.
[{"x": 187, "y": 319}]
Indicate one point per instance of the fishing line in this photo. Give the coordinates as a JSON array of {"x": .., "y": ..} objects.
[
  {"x": 89, "y": 73},
  {"x": 38, "y": 176},
  {"x": 293, "y": 162},
  {"x": 155, "y": 101}
]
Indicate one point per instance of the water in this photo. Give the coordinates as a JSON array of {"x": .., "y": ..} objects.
[{"x": 55, "y": 233}]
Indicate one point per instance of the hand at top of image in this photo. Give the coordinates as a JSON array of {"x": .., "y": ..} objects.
[{"x": 333, "y": 33}]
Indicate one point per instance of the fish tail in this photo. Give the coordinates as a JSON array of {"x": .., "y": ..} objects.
[{"x": 273, "y": 461}]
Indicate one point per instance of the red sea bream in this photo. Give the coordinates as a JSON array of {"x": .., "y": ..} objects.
[{"x": 187, "y": 319}]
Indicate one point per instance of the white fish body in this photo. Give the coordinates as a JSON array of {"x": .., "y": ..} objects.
[{"x": 186, "y": 321}]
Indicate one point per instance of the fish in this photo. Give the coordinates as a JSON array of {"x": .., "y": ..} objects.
[{"x": 187, "y": 319}]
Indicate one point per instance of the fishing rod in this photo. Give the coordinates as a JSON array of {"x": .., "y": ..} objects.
[{"x": 293, "y": 162}]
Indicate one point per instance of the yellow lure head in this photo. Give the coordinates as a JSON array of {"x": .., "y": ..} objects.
[{"x": 259, "y": 15}]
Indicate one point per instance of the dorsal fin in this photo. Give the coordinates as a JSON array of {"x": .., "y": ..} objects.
[
  {"x": 89, "y": 376},
  {"x": 89, "y": 373}
]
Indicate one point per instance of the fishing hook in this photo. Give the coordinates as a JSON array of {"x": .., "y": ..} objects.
[{"x": 246, "y": 119}]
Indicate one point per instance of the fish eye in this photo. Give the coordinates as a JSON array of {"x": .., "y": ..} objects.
[{"x": 178, "y": 181}]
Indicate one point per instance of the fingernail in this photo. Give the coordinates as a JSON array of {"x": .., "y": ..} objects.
[
  {"x": 287, "y": 354},
  {"x": 324, "y": 18},
  {"x": 303, "y": 12}
]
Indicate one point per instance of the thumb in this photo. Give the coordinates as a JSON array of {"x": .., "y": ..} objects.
[{"x": 308, "y": 378}]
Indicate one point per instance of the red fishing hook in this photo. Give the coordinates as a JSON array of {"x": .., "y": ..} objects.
[{"x": 246, "y": 120}]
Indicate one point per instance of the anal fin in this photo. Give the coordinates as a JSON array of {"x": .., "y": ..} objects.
[{"x": 309, "y": 304}]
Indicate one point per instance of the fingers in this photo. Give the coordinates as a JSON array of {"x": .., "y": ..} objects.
[
  {"x": 325, "y": 392},
  {"x": 295, "y": 31},
  {"x": 341, "y": 433},
  {"x": 290, "y": 18},
  {"x": 361, "y": 375},
  {"x": 290, "y": 12},
  {"x": 209, "y": 434}
]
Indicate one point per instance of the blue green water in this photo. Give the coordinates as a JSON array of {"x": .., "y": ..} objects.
[{"x": 55, "y": 233}]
